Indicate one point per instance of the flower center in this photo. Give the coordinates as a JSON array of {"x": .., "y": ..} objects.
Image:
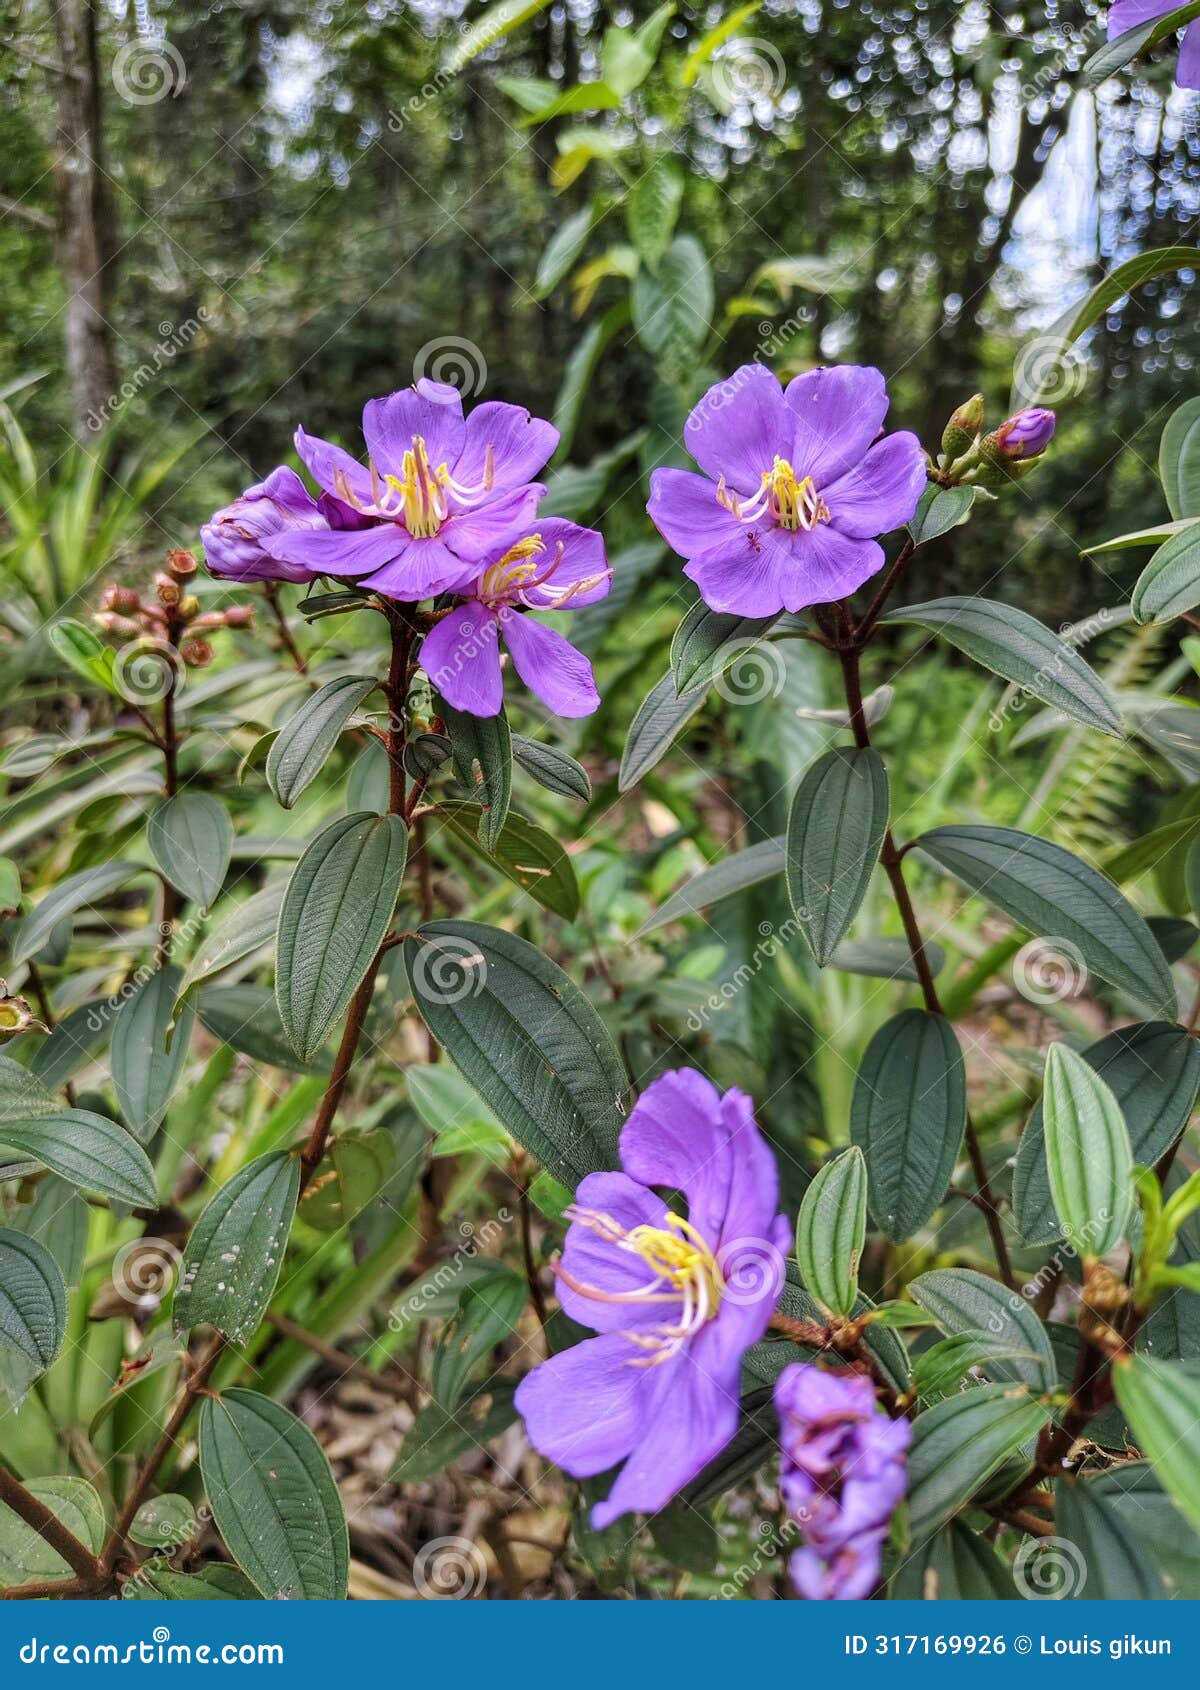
[
  {"x": 791, "y": 502},
  {"x": 417, "y": 497},
  {"x": 515, "y": 575},
  {"x": 682, "y": 1267}
]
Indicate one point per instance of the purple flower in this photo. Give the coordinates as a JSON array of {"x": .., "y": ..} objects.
[
  {"x": 235, "y": 539},
  {"x": 842, "y": 1477},
  {"x": 794, "y": 494},
  {"x": 1128, "y": 14},
  {"x": 676, "y": 1302},
  {"x": 557, "y": 565},
  {"x": 438, "y": 493},
  {"x": 1027, "y": 434}
]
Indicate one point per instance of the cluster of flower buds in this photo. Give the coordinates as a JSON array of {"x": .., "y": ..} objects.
[
  {"x": 171, "y": 615},
  {"x": 971, "y": 457}
]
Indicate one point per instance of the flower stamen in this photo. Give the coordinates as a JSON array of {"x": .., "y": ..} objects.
[{"x": 793, "y": 503}]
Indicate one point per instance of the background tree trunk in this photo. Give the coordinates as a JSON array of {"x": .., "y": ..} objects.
[{"x": 85, "y": 225}]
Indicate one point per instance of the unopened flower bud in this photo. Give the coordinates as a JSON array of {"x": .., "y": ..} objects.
[
  {"x": 122, "y": 599},
  {"x": 962, "y": 430},
  {"x": 167, "y": 590},
  {"x": 188, "y": 607},
  {"x": 1027, "y": 434},
  {"x": 197, "y": 654},
  {"x": 109, "y": 622},
  {"x": 239, "y": 616},
  {"x": 181, "y": 564}
]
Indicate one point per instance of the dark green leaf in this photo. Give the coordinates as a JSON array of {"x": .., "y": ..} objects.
[
  {"x": 437, "y": 1438},
  {"x": 908, "y": 1115},
  {"x": 1153, "y": 1071},
  {"x": 246, "y": 1018},
  {"x": 1116, "y": 54},
  {"x": 213, "y": 1583},
  {"x": 89, "y": 886},
  {"x": 145, "y": 1069},
  {"x": 164, "y": 1523},
  {"x": 1088, "y": 1157},
  {"x": 940, "y": 510},
  {"x": 962, "y": 1301},
  {"x": 835, "y": 827},
  {"x": 724, "y": 879},
  {"x": 483, "y": 759},
  {"x": 956, "y": 1566},
  {"x": 959, "y": 1444},
  {"x": 88, "y": 1151},
  {"x": 552, "y": 768},
  {"x": 304, "y": 743},
  {"x": 830, "y": 1230},
  {"x": 273, "y": 1498},
  {"x": 527, "y": 1040},
  {"x": 25, "y": 1557},
  {"x": 1179, "y": 460},
  {"x": 706, "y": 642},
  {"x": 244, "y": 929},
  {"x": 1169, "y": 585},
  {"x": 58, "y": 1219},
  {"x": 1112, "y": 1564},
  {"x": 1054, "y": 895},
  {"x": 190, "y": 838},
  {"x": 1161, "y": 1401},
  {"x": 232, "y": 1258},
  {"x": 527, "y": 855},
  {"x": 488, "y": 1315},
  {"x": 336, "y": 912},
  {"x": 1014, "y": 645},
  {"x": 660, "y": 717},
  {"x": 33, "y": 1301}
]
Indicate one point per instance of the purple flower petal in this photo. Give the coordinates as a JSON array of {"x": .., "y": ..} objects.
[
  {"x": 583, "y": 559},
  {"x": 589, "y": 1259},
  {"x": 688, "y": 1418},
  {"x": 236, "y": 539},
  {"x": 423, "y": 569},
  {"x": 836, "y": 414},
  {"x": 461, "y": 656},
  {"x": 521, "y": 446},
  {"x": 1187, "y": 72},
  {"x": 743, "y": 574},
  {"x": 343, "y": 551},
  {"x": 431, "y": 410},
  {"x": 334, "y": 470},
  {"x": 676, "y": 1137},
  {"x": 489, "y": 529},
  {"x": 880, "y": 493},
  {"x": 550, "y": 666},
  {"x": 584, "y": 1408},
  {"x": 1128, "y": 14},
  {"x": 683, "y": 507},
  {"x": 739, "y": 427}
]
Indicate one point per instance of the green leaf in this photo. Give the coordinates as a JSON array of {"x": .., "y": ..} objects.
[
  {"x": 962, "y": 1301},
  {"x": 483, "y": 759},
  {"x": 957, "y": 1565},
  {"x": 23, "y": 1095},
  {"x": 1054, "y": 895},
  {"x": 724, "y": 879},
  {"x": 488, "y": 1315},
  {"x": 447, "y": 1103},
  {"x": 1115, "y": 55},
  {"x": 242, "y": 930},
  {"x": 145, "y": 1069},
  {"x": 830, "y": 1231},
  {"x": 213, "y": 1583},
  {"x": 336, "y": 912},
  {"x": 552, "y": 768},
  {"x": 1112, "y": 1564},
  {"x": 273, "y": 1498},
  {"x": 706, "y": 642},
  {"x": 660, "y": 717},
  {"x": 232, "y": 1259},
  {"x": 89, "y": 886},
  {"x": 1087, "y": 1153},
  {"x": 652, "y": 209},
  {"x": 355, "y": 1171},
  {"x": 438, "y": 1437},
  {"x": 527, "y": 1040},
  {"x": 1017, "y": 647},
  {"x": 836, "y": 825},
  {"x": 1170, "y": 583},
  {"x": 1140, "y": 537},
  {"x": 33, "y": 1303},
  {"x": 85, "y": 652},
  {"x": 1153, "y": 1070},
  {"x": 303, "y": 745},
  {"x": 959, "y": 1444},
  {"x": 88, "y": 1151},
  {"x": 908, "y": 1114},
  {"x": 1179, "y": 460},
  {"x": 940, "y": 510},
  {"x": 673, "y": 306},
  {"x": 527, "y": 855},
  {"x": 1161, "y": 1401},
  {"x": 246, "y": 1018},
  {"x": 578, "y": 373},
  {"x": 164, "y": 1523},
  {"x": 190, "y": 838},
  {"x": 564, "y": 247},
  {"x": 58, "y": 1219},
  {"x": 26, "y": 1557},
  {"x": 627, "y": 56},
  {"x": 885, "y": 959}
]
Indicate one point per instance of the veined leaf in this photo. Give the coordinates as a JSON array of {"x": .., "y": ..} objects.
[
  {"x": 25, "y": 1556},
  {"x": 835, "y": 827},
  {"x": 1161, "y": 1401},
  {"x": 959, "y": 1444},
  {"x": 527, "y": 855},
  {"x": 660, "y": 717},
  {"x": 1106, "y": 61},
  {"x": 1170, "y": 583},
  {"x": 304, "y": 743},
  {"x": 190, "y": 838},
  {"x": 89, "y": 886},
  {"x": 88, "y": 1151},
  {"x": 706, "y": 642},
  {"x": 145, "y": 1067},
  {"x": 962, "y": 1301},
  {"x": 483, "y": 743},
  {"x": 231, "y": 1263},
  {"x": 1179, "y": 460},
  {"x": 724, "y": 879},
  {"x": 1087, "y": 1153},
  {"x": 552, "y": 768},
  {"x": 33, "y": 1302},
  {"x": 830, "y": 1231},
  {"x": 1114, "y": 1563}
]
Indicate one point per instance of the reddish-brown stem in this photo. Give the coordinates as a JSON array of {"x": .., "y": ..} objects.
[
  {"x": 49, "y": 1527},
  {"x": 169, "y": 742},
  {"x": 537, "y": 1296},
  {"x": 286, "y": 637},
  {"x": 891, "y": 860},
  {"x": 875, "y": 608}
]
